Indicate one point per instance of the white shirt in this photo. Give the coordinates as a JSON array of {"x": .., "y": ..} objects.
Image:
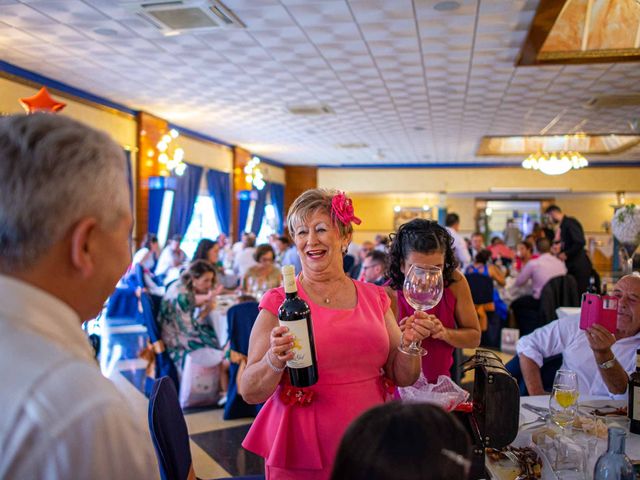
[
  {"x": 540, "y": 270},
  {"x": 166, "y": 262},
  {"x": 460, "y": 250},
  {"x": 564, "y": 336},
  {"x": 243, "y": 261},
  {"x": 60, "y": 417}
]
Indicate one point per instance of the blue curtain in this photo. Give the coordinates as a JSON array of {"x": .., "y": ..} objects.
[
  {"x": 243, "y": 212},
  {"x": 185, "y": 199},
  {"x": 258, "y": 212},
  {"x": 220, "y": 190},
  {"x": 277, "y": 200}
]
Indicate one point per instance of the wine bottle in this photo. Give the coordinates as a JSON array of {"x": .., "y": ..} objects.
[
  {"x": 294, "y": 313},
  {"x": 614, "y": 464},
  {"x": 633, "y": 409}
]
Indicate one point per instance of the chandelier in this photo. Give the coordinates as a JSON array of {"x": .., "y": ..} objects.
[
  {"x": 555, "y": 163},
  {"x": 171, "y": 156},
  {"x": 253, "y": 174}
]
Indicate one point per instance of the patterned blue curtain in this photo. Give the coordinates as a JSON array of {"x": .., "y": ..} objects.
[
  {"x": 277, "y": 200},
  {"x": 184, "y": 201},
  {"x": 258, "y": 212},
  {"x": 220, "y": 190}
]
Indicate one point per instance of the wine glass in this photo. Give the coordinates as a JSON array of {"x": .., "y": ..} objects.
[
  {"x": 422, "y": 288},
  {"x": 563, "y": 402}
]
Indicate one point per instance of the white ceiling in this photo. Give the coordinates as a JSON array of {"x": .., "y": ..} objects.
[{"x": 416, "y": 84}]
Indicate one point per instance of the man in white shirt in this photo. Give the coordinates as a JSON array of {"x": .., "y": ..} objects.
[
  {"x": 244, "y": 260},
  {"x": 171, "y": 260},
  {"x": 602, "y": 361},
  {"x": 460, "y": 250},
  {"x": 65, "y": 224}
]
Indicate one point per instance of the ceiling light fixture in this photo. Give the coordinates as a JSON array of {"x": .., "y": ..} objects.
[
  {"x": 555, "y": 163},
  {"x": 253, "y": 174},
  {"x": 170, "y": 155}
]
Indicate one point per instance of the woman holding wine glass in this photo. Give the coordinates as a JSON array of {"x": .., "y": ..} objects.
[
  {"x": 452, "y": 322},
  {"x": 356, "y": 338}
]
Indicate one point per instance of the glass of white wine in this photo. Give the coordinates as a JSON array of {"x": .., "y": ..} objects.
[{"x": 563, "y": 403}]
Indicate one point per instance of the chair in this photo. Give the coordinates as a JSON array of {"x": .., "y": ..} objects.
[
  {"x": 169, "y": 432},
  {"x": 348, "y": 261},
  {"x": 558, "y": 292},
  {"x": 482, "y": 293},
  {"x": 159, "y": 362},
  {"x": 170, "y": 436},
  {"x": 240, "y": 320}
]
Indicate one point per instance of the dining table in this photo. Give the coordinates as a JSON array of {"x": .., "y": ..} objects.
[{"x": 532, "y": 421}]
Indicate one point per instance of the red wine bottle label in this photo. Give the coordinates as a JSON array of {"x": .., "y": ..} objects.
[
  {"x": 636, "y": 403},
  {"x": 301, "y": 345}
]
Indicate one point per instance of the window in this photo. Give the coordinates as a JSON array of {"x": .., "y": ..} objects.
[
  {"x": 204, "y": 224},
  {"x": 269, "y": 224}
]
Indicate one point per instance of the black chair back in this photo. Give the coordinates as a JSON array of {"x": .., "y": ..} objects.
[
  {"x": 558, "y": 292},
  {"x": 481, "y": 288},
  {"x": 169, "y": 431}
]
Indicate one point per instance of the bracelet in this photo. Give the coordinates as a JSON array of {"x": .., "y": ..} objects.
[
  {"x": 608, "y": 364},
  {"x": 271, "y": 365}
]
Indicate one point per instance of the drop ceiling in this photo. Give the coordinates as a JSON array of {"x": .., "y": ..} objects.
[{"x": 407, "y": 82}]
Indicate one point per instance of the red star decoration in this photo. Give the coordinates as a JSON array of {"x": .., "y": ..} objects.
[{"x": 41, "y": 102}]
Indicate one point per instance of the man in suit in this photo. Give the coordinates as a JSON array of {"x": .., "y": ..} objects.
[{"x": 572, "y": 247}]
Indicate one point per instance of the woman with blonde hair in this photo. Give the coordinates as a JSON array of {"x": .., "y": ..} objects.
[{"x": 356, "y": 337}]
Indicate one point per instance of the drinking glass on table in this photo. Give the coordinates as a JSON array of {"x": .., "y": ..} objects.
[
  {"x": 423, "y": 287},
  {"x": 563, "y": 403}
]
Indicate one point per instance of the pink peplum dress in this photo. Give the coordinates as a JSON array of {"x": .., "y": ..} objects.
[
  {"x": 298, "y": 433},
  {"x": 439, "y": 357}
]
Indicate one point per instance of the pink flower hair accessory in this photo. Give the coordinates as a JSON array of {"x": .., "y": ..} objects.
[{"x": 342, "y": 209}]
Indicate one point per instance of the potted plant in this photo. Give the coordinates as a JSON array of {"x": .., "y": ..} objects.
[{"x": 625, "y": 226}]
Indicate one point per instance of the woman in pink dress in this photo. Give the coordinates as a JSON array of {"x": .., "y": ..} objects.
[
  {"x": 453, "y": 323},
  {"x": 356, "y": 336}
]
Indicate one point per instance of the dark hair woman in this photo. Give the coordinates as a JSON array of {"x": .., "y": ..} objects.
[
  {"x": 453, "y": 323},
  {"x": 207, "y": 250},
  {"x": 403, "y": 442}
]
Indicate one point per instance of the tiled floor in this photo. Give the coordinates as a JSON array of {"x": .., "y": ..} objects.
[{"x": 215, "y": 443}]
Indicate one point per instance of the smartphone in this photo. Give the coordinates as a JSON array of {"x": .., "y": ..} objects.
[{"x": 601, "y": 310}]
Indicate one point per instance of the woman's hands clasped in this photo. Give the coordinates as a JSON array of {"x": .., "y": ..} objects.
[{"x": 422, "y": 325}]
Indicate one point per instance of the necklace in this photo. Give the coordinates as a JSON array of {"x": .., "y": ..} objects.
[{"x": 326, "y": 299}]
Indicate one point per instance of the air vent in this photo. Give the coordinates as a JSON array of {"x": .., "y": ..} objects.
[
  {"x": 614, "y": 101},
  {"x": 317, "y": 109},
  {"x": 177, "y": 16},
  {"x": 352, "y": 146}
]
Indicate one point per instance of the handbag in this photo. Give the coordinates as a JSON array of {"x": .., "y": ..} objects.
[{"x": 200, "y": 384}]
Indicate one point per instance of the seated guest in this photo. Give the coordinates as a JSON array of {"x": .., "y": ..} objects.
[
  {"x": 482, "y": 266},
  {"x": 148, "y": 254},
  {"x": 356, "y": 271},
  {"x": 243, "y": 260},
  {"x": 524, "y": 253},
  {"x": 65, "y": 226},
  {"x": 602, "y": 361},
  {"x": 406, "y": 442},
  {"x": 542, "y": 269},
  {"x": 500, "y": 253},
  {"x": 171, "y": 260},
  {"x": 282, "y": 245},
  {"x": 476, "y": 244},
  {"x": 264, "y": 275},
  {"x": 184, "y": 313},
  {"x": 374, "y": 267}
]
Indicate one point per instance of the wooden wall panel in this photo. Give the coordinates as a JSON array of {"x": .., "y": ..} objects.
[
  {"x": 240, "y": 159},
  {"x": 150, "y": 130},
  {"x": 297, "y": 180}
]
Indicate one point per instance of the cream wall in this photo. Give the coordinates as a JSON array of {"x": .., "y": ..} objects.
[
  {"x": 206, "y": 154},
  {"x": 460, "y": 180},
  {"x": 121, "y": 126}
]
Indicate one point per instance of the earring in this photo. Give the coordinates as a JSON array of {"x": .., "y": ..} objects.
[{"x": 344, "y": 249}]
